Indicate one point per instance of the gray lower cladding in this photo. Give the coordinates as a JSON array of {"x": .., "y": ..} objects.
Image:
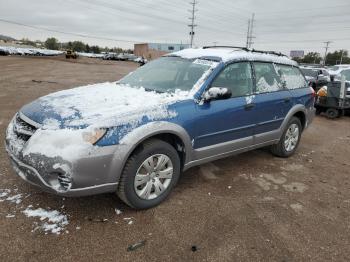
[{"x": 90, "y": 175}]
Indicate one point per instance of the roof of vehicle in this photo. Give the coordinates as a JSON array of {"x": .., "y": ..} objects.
[{"x": 233, "y": 54}]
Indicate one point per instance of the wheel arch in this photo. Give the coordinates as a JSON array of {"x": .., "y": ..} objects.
[
  {"x": 171, "y": 133},
  {"x": 298, "y": 111}
]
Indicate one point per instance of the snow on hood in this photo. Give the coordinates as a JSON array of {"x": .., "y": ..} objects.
[
  {"x": 67, "y": 115},
  {"x": 102, "y": 105}
]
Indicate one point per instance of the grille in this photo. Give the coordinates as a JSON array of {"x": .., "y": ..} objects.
[{"x": 23, "y": 129}]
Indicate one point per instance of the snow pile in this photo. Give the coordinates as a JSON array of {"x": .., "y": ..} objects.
[
  {"x": 90, "y": 55},
  {"x": 110, "y": 104},
  {"x": 229, "y": 54},
  {"x": 11, "y": 50},
  {"x": 52, "y": 220}
]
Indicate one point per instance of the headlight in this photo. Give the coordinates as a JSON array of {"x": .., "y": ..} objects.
[{"x": 94, "y": 136}]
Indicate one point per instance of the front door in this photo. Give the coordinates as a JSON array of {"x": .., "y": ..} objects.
[{"x": 227, "y": 125}]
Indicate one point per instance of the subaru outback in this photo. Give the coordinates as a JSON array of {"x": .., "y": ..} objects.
[{"x": 137, "y": 135}]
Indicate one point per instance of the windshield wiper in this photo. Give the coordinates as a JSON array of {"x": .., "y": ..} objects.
[{"x": 154, "y": 90}]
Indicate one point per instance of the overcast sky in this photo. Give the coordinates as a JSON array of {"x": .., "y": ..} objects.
[{"x": 281, "y": 25}]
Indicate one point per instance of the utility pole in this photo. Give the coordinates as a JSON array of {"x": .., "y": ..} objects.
[
  {"x": 192, "y": 18},
  {"x": 250, "y": 36},
  {"x": 325, "y": 53},
  {"x": 341, "y": 58}
]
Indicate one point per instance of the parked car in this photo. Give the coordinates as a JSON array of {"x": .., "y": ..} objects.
[
  {"x": 122, "y": 57},
  {"x": 110, "y": 56},
  {"x": 337, "y": 69},
  {"x": 136, "y": 136},
  {"x": 317, "y": 77}
]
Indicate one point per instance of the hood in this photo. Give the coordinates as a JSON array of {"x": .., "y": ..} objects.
[{"x": 102, "y": 105}]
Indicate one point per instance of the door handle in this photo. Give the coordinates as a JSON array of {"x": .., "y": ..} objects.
[
  {"x": 249, "y": 106},
  {"x": 287, "y": 99}
]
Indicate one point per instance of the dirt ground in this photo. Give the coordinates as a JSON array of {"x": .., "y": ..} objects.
[{"x": 251, "y": 207}]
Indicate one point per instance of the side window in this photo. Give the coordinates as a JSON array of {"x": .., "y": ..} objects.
[
  {"x": 237, "y": 77},
  {"x": 291, "y": 77},
  {"x": 267, "y": 79}
]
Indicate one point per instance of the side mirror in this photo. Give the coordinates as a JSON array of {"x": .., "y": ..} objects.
[{"x": 217, "y": 93}]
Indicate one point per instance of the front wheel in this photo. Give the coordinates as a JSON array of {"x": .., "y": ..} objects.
[
  {"x": 149, "y": 175},
  {"x": 290, "y": 139}
]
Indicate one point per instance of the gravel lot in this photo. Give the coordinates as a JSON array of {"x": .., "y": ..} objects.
[{"x": 251, "y": 207}]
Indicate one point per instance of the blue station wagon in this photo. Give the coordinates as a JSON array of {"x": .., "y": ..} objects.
[{"x": 135, "y": 136}]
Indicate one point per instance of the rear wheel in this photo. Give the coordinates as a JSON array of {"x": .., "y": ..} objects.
[
  {"x": 149, "y": 175},
  {"x": 289, "y": 140}
]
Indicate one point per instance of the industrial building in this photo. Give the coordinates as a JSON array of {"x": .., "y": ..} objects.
[{"x": 154, "y": 50}]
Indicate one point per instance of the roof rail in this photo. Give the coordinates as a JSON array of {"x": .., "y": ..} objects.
[
  {"x": 246, "y": 49},
  {"x": 268, "y": 52},
  {"x": 226, "y": 46}
]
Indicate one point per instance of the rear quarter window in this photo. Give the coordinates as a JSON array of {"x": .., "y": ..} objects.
[{"x": 291, "y": 77}]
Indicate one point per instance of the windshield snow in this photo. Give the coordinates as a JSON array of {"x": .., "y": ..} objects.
[{"x": 168, "y": 74}]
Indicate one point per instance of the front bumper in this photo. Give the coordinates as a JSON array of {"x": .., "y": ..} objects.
[
  {"x": 48, "y": 182},
  {"x": 93, "y": 173}
]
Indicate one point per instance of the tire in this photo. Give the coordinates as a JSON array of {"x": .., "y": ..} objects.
[
  {"x": 332, "y": 113},
  {"x": 145, "y": 195},
  {"x": 281, "y": 149}
]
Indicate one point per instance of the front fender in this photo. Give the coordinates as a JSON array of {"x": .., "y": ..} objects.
[{"x": 140, "y": 134}]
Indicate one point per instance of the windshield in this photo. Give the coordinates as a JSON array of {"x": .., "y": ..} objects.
[
  {"x": 309, "y": 72},
  {"x": 346, "y": 73},
  {"x": 167, "y": 74}
]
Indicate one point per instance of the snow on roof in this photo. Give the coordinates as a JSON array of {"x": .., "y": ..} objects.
[{"x": 231, "y": 54}]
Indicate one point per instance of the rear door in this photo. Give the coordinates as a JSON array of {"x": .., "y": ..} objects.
[{"x": 273, "y": 101}]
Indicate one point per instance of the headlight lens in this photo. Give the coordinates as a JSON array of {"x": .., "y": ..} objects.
[{"x": 94, "y": 136}]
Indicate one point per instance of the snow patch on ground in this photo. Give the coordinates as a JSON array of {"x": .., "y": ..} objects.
[
  {"x": 52, "y": 220},
  {"x": 16, "y": 199}
]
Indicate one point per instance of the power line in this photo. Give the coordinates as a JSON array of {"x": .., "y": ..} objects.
[
  {"x": 192, "y": 18},
  {"x": 68, "y": 33},
  {"x": 304, "y": 10}
]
